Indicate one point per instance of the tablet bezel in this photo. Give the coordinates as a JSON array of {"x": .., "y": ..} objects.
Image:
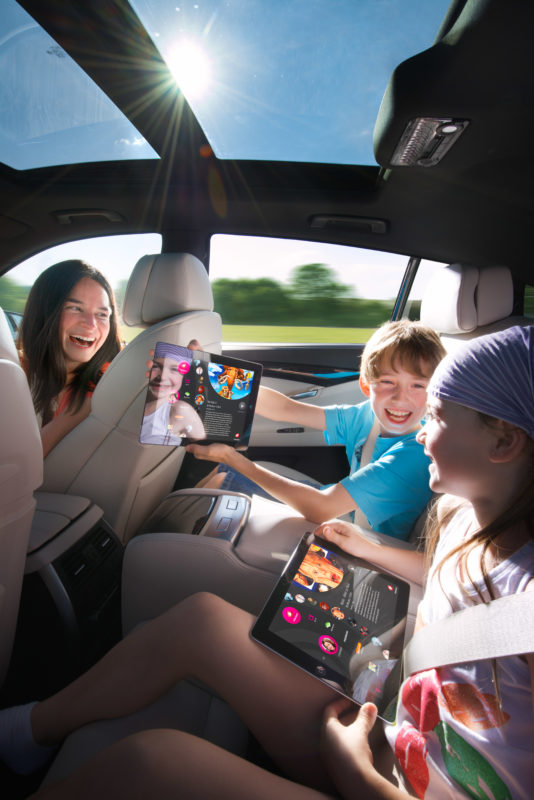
[
  {"x": 323, "y": 667},
  {"x": 217, "y": 358}
]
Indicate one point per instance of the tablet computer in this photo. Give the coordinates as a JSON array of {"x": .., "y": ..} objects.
[
  {"x": 340, "y": 619},
  {"x": 197, "y": 396}
]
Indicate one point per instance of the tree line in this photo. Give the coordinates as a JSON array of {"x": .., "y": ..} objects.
[{"x": 312, "y": 296}]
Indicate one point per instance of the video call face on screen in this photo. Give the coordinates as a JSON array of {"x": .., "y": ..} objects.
[{"x": 197, "y": 396}]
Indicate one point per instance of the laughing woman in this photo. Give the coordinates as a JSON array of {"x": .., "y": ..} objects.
[{"x": 67, "y": 338}]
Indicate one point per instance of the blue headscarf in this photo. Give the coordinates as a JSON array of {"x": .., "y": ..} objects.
[
  {"x": 166, "y": 350},
  {"x": 493, "y": 374}
]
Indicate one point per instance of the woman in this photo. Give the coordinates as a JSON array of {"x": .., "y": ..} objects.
[{"x": 68, "y": 336}]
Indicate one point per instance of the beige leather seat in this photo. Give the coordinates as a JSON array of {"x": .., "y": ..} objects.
[
  {"x": 21, "y": 472},
  {"x": 462, "y": 302},
  {"x": 170, "y": 296}
]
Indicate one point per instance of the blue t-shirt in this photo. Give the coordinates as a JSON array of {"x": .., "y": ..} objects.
[{"x": 393, "y": 488}]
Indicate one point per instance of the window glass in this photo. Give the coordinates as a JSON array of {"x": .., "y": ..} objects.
[
  {"x": 51, "y": 112},
  {"x": 291, "y": 81},
  {"x": 528, "y": 303},
  {"x": 115, "y": 256},
  {"x": 291, "y": 291}
]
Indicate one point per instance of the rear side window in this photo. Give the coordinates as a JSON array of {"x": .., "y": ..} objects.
[
  {"x": 290, "y": 291},
  {"x": 528, "y": 302},
  {"x": 114, "y": 256}
]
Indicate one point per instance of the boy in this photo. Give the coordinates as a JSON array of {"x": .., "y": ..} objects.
[{"x": 389, "y": 490}]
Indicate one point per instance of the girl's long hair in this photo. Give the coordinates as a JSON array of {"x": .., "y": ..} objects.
[
  {"x": 518, "y": 516},
  {"x": 39, "y": 342}
]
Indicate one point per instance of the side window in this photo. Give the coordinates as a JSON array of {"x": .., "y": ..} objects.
[
  {"x": 115, "y": 256},
  {"x": 290, "y": 291},
  {"x": 528, "y": 302}
]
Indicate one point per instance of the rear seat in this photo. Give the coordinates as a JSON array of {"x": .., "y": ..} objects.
[{"x": 461, "y": 302}]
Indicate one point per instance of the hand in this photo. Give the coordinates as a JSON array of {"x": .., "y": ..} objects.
[
  {"x": 345, "y": 534},
  {"x": 193, "y": 345},
  {"x": 345, "y": 744},
  {"x": 222, "y": 453}
]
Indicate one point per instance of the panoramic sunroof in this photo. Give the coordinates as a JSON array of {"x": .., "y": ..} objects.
[
  {"x": 51, "y": 112},
  {"x": 288, "y": 80}
]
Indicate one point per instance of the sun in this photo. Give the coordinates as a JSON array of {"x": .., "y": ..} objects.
[{"x": 190, "y": 67}]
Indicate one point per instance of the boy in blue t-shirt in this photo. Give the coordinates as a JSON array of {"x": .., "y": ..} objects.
[{"x": 389, "y": 490}]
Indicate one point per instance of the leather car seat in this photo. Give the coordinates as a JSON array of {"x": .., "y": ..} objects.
[
  {"x": 462, "y": 302},
  {"x": 21, "y": 473},
  {"x": 170, "y": 297}
]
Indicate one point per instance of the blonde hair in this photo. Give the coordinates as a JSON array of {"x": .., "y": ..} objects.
[{"x": 405, "y": 343}]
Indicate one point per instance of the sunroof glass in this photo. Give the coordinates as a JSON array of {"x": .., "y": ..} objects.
[
  {"x": 51, "y": 112},
  {"x": 298, "y": 80}
]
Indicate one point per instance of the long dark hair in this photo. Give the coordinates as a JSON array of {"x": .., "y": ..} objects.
[
  {"x": 39, "y": 341},
  {"x": 518, "y": 515}
]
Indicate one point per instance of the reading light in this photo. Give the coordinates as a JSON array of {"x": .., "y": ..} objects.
[{"x": 426, "y": 140}]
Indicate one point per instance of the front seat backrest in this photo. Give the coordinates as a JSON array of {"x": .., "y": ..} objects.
[
  {"x": 170, "y": 296},
  {"x": 21, "y": 473},
  {"x": 462, "y": 302}
]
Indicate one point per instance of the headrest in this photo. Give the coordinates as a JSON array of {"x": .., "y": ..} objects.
[
  {"x": 460, "y": 298},
  {"x": 7, "y": 345},
  {"x": 165, "y": 285}
]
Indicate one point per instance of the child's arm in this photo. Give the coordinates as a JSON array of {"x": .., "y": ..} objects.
[
  {"x": 314, "y": 504},
  {"x": 276, "y": 406},
  {"x": 409, "y": 564}
]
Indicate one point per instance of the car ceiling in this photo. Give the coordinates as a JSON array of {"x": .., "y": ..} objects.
[{"x": 475, "y": 206}]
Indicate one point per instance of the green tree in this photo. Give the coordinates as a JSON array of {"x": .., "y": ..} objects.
[
  {"x": 12, "y": 295},
  {"x": 262, "y": 301},
  {"x": 311, "y": 281}
]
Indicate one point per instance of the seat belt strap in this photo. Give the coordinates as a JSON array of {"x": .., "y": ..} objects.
[
  {"x": 359, "y": 517},
  {"x": 502, "y": 627}
]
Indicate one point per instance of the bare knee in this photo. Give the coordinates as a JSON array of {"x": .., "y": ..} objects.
[{"x": 201, "y": 606}]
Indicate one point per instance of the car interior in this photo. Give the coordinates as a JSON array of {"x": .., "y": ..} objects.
[{"x": 106, "y": 532}]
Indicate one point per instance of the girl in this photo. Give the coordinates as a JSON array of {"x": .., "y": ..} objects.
[
  {"x": 465, "y": 731},
  {"x": 68, "y": 336},
  {"x": 167, "y": 418}
]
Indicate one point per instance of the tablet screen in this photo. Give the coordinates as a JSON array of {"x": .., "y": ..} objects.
[
  {"x": 341, "y": 620},
  {"x": 197, "y": 396}
]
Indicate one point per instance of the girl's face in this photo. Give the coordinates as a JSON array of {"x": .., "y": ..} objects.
[
  {"x": 84, "y": 322},
  {"x": 165, "y": 378},
  {"x": 459, "y": 445}
]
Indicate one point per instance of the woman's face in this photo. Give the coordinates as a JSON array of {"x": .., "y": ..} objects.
[
  {"x": 165, "y": 378},
  {"x": 84, "y": 322}
]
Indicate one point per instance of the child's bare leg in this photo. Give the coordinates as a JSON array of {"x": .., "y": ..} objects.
[
  {"x": 209, "y": 639},
  {"x": 212, "y": 480},
  {"x": 169, "y": 764}
]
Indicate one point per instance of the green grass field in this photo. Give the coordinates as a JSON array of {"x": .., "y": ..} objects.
[{"x": 283, "y": 333}]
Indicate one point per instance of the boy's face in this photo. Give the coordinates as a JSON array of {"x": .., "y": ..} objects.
[{"x": 398, "y": 399}]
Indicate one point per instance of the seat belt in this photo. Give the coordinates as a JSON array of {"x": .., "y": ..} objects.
[
  {"x": 359, "y": 517},
  {"x": 502, "y": 627}
]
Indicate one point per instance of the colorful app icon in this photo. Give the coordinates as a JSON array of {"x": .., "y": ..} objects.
[
  {"x": 183, "y": 367},
  {"x": 328, "y": 644},
  {"x": 291, "y": 615}
]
